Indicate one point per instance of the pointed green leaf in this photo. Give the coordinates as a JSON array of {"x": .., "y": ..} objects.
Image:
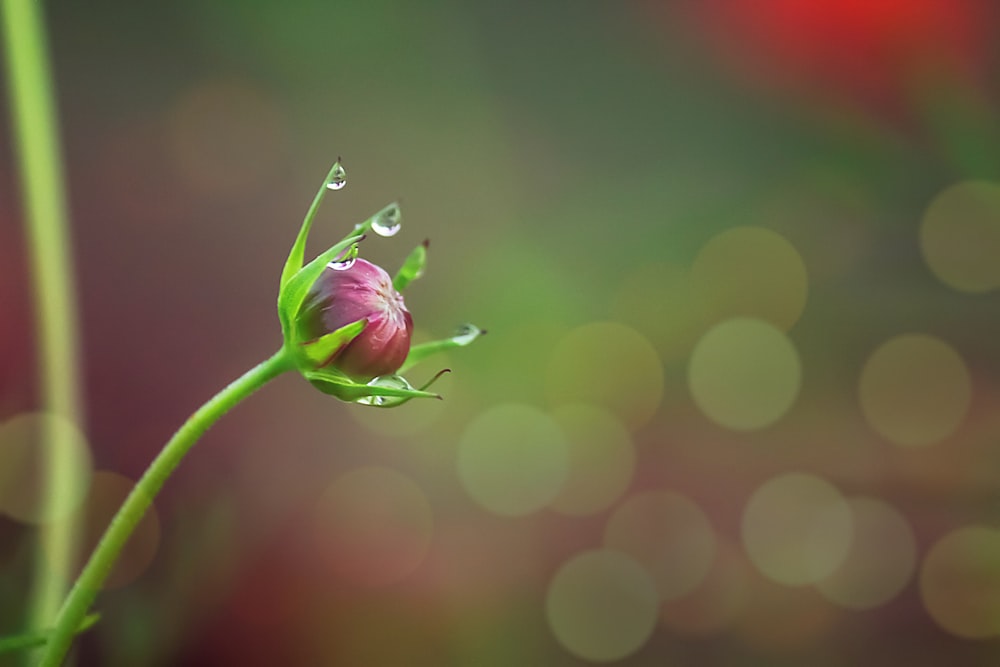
[
  {"x": 295, "y": 283},
  {"x": 328, "y": 376},
  {"x": 335, "y": 383},
  {"x": 297, "y": 253},
  {"x": 321, "y": 351},
  {"x": 392, "y": 401},
  {"x": 464, "y": 336},
  {"x": 412, "y": 268},
  {"x": 294, "y": 292}
]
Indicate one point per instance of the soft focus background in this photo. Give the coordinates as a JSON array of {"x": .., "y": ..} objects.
[{"x": 738, "y": 260}]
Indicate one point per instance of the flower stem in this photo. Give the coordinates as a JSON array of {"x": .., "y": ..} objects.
[
  {"x": 99, "y": 566},
  {"x": 33, "y": 117}
]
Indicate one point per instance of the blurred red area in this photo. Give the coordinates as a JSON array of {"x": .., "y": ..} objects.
[{"x": 858, "y": 51}]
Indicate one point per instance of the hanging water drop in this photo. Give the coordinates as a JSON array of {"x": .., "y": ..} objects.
[
  {"x": 377, "y": 401},
  {"x": 393, "y": 381},
  {"x": 346, "y": 260},
  {"x": 338, "y": 180},
  {"x": 388, "y": 222}
]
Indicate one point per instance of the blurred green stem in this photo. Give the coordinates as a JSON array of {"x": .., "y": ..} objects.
[
  {"x": 33, "y": 117},
  {"x": 29, "y": 640},
  {"x": 132, "y": 510}
]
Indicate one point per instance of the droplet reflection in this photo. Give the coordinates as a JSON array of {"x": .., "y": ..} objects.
[
  {"x": 338, "y": 180},
  {"x": 346, "y": 260},
  {"x": 388, "y": 222}
]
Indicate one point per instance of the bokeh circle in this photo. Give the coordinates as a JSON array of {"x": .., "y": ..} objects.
[
  {"x": 960, "y": 582},
  {"x": 513, "y": 459},
  {"x": 750, "y": 272},
  {"x": 29, "y": 443},
  {"x": 960, "y": 236},
  {"x": 797, "y": 529},
  {"x": 915, "y": 390},
  {"x": 609, "y": 365},
  {"x": 880, "y": 562},
  {"x": 602, "y": 606},
  {"x": 744, "y": 374}
]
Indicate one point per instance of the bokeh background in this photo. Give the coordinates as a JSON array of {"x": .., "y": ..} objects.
[{"x": 738, "y": 260}]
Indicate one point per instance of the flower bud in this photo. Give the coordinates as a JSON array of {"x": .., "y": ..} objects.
[
  {"x": 344, "y": 324},
  {"x": 361, "y": 291}
]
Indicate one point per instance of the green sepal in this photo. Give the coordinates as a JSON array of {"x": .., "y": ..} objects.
[
  {"x": 296, "y": 255},
  {"x": 297, "y": 279},
  {"x": 412, "y": 268},
  {"x": 328, "y": 379},
  {"x": 293, "y": 293},
  {"x": 464, "y": 336},
  {"x": 400, "y": 381},
  {"x": 333, "y": 382},
  {"x": 30, "y": 640},
  {"x": 320, "y": 352}
]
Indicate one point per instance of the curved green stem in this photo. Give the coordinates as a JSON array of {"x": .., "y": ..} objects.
[
  {"x": 33, "y": 117},
  {"x": 132, "y": 510}
]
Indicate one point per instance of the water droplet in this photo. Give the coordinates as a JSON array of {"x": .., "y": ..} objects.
[
  {"x": 345, "y": 260},
  {"x": 338, "y": 180},
  {"x": 388, "y": 222},
  {"x": 394, "y": 381},
  {"x": 467, "y": 333},
  {"x": 371, "y": 400}
]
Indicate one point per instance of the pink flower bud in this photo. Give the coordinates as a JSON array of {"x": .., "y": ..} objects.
[{"x": 362, "y": 290}]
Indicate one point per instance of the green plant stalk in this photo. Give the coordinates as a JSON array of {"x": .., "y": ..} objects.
[
  {"x": 12, "y": 644},
  {"x": 33, "y": 117},
  {"x": 99, "y": 566}
]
